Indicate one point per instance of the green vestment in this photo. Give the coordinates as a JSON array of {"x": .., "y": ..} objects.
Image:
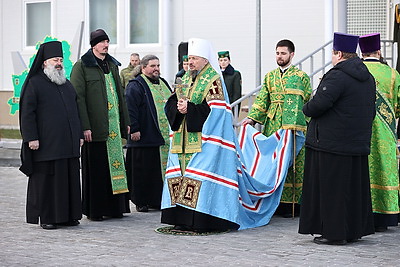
[
  {"x": 160, "y": 93},
  {"x": 383, "y": 165},
  {"x": 114, "y": 141},
  {"x": 207, "y": 85},
  {"x": 279, "y": 106}
]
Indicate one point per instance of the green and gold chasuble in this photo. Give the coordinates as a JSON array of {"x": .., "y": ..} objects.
[
  {"x": 160, "y": 93},
  {"x": 279, "y": 106},
  {"x": 114, "y": 141},
  {"x": 207, "y": 85},
  {"x": 383, "y": 164}
]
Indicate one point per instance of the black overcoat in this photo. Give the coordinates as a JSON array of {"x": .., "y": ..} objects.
[
  {"x": 49, "y": 113},
  {"x": 143, "y": 114},
  {"x": 342, "y": 110}
]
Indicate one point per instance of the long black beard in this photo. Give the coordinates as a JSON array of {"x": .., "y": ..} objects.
[{"x": 55, "y": 75}]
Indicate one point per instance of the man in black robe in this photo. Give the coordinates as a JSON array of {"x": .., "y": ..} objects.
[
  {"x": 146, "y": 96},
  {"x": 51, "y": 133},
  {"x": 336, "y": 200}
]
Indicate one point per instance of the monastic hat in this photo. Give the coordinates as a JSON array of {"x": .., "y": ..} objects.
[
  {"x": 51, "y": 49},
  {"x": 345, "y": 42},
  {"x": 46, "y": 50},
  {"x": 223, "y": 54},
  {"x": 97, "y": 36},
  {"x": 370, "y": 42},
  {"x": 203, "y": 48},
  {"x": 185, "y": 58}
]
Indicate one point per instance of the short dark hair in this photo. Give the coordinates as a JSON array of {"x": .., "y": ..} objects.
[
  {"x": 346, "y": 55},
  {"x": 145, "y": 60},
  {"x": 286, "y": 43}
]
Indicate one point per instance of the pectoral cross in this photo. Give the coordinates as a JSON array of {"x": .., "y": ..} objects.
[{"x": 178, "y": 88}]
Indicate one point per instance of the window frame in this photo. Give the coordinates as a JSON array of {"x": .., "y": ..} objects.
[
  {"x": 25, "y": 20},
  {"x": 128, "y": 29}
]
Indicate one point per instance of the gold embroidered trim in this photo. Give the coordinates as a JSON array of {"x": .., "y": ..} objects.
[
  {"x": 174, "y": 185},
  {"x": 189, "y": 192},
  {"x": 383, "y": 187}
]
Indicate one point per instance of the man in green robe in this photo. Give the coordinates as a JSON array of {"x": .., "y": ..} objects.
[
  {"x": 279, "y": 106},
  {"x": 383, "y": 170}
]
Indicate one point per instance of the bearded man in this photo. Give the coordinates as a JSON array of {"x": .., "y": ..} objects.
[
  {"x": 269, "y": 110},
  {"x": 148, "y": 144},
  {"x": 51, "y": 133}
]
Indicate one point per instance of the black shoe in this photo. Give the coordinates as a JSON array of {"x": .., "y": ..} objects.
[
  {"x": 323, "y": 241},
  {"x": 70, "y": 223},
  {"x": 96, "y": 219},
  {"x": 73, "y": 223},
  {"x": 48, "y": 226},
  {"x": 118, "y": 216},
  {"x": 142, "y": 208},
  {"x": 381, "y": 228},
  {"x": 155, "y": 207},
  {"x": 353, "y": 240}
]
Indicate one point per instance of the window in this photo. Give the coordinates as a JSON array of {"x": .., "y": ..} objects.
[
  {"x": 38, "y": 22},
  {"x": 103, "y": 15},
  {"x": 144, "y": 21},
  {"x": 367, "y": 16}
]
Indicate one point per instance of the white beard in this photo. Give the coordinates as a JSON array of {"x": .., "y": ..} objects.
[{"x": 56, "y": 76}]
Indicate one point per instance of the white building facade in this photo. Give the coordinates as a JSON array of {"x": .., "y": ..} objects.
[{"x": 249, "y": 29}]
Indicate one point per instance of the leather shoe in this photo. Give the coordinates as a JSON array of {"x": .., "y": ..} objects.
[
  {"x": 72, "y": 223},
  {"x": 142, "y": 208},
  {"x": 96, "y": 219},
  {"x": 323, "y": 241},
  {"x": 381, "y": 228},
  {"x": 48, "y": 226}
]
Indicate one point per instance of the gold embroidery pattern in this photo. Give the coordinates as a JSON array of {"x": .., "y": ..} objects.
[
  {"x": 215, "y": 92},
  {"x": 383, "y": 109},
  {"x": 189, "y": 192},
  {"x": 174, "y": 185}
]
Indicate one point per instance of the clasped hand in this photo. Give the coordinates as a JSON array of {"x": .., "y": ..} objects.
[{"x": 182, "y": 105}]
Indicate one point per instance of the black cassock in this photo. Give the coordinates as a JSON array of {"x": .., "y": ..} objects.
[{"x": 49, "y": 113}]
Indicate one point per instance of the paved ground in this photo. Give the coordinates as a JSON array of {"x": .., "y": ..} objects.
[{"x": 132, "y": 241}]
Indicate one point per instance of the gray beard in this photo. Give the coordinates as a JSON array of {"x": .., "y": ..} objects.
[{"x": 56, "y": 76}]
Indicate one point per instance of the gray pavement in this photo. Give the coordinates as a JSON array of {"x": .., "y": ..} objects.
[
  {"x": 10, "y": 152},
  {"x": 132, "y": 241}
]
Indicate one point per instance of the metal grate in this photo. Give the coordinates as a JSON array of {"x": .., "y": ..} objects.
[{"x": 367, "y": 16}]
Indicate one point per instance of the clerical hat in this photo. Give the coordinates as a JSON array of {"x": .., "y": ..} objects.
[
  {"x": 370, "y": 42},
  {"x": 97, "y": 36},
  {"x": 345, "y": 42}
]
